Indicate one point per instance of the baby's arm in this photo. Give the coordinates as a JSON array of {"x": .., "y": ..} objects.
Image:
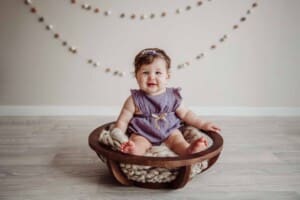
[
  {"x": 192, "y": 119},
  {"x": 125, "y": 115}
]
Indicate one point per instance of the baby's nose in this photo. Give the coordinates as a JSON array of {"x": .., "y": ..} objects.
[{"x": 151, "y": 76}]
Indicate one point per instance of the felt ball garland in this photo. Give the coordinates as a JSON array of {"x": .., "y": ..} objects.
[
  {"x": 96, "y": 9},
  {"x": 115, "y": 71}
]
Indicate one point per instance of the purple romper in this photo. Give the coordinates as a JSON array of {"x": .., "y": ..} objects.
[{"x": 158, "y": 117}]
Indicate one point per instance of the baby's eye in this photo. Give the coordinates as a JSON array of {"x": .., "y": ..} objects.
[
  {"x": 145, "y": 72},
  {"x": 158, "y": 73}
]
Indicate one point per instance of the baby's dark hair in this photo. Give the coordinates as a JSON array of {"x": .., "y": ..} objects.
[{"x": 147, "y": 56}]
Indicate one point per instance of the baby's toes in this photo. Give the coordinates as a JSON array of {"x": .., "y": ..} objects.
[
  {"x": 123, "y": 146},
  {"x": 203, "y": 140}
]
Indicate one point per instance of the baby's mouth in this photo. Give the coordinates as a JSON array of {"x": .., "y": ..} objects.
[{"x": 151, "y": 84}]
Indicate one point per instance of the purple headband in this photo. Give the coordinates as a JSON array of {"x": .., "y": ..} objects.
[{"x": 149, "y": 52}]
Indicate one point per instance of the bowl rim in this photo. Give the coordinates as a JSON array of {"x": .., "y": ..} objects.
[{"x": 167, "y": 162}]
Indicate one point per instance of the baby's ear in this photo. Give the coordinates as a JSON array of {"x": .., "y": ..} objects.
[{"x": 168, "y": 75}]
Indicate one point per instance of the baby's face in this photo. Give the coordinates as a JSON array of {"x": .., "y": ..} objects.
[{"x": 153, "y": 78}]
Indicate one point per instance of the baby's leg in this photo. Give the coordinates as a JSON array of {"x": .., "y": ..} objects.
[
  {"x": 136, "y": 145},
  {"x": 179, "y": 145}
]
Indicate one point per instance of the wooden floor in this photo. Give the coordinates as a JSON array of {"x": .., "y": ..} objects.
[{"x": 49, "y": 158}]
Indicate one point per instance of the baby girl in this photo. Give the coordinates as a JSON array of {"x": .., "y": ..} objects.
[{"x": 154, "y": 113}]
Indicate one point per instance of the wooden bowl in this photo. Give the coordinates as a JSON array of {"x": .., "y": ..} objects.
[{"x": 183, "y": 163}]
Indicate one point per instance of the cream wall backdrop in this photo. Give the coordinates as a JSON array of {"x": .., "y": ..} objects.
[{"x": 255, "y": 71}]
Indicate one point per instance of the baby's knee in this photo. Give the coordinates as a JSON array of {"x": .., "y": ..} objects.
[
  {"x": 175, "y": 137},
  {"x": 140, "y": 141}
]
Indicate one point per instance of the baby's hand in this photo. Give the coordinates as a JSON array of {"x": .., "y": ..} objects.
[{"x": 211, "y": 127}]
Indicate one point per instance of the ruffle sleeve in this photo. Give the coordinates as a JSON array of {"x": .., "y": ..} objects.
[{"x": 178, "y": 97}]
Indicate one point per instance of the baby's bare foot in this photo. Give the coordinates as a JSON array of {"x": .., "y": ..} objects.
[
  {"x": 197, "y": 146},
  {"x": 128, "y": 147}
]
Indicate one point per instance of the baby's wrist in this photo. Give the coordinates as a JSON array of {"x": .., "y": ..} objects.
[{"x": 204, "y": 125}]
